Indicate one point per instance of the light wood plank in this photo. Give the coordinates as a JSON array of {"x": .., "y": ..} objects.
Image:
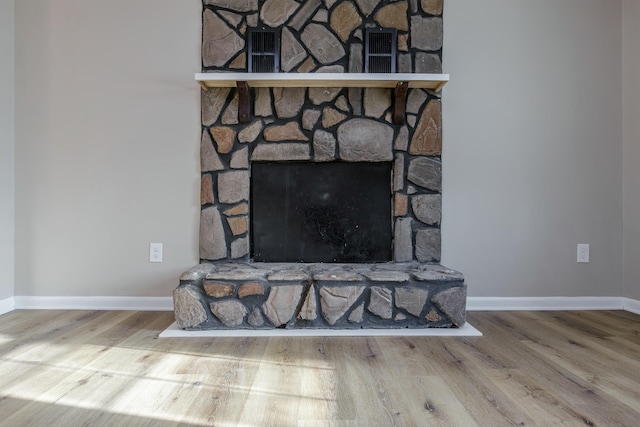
[{"x": 529, "y": 368}]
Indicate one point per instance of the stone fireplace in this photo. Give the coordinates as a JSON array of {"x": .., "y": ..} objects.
[{"x": 308, "y": 127}]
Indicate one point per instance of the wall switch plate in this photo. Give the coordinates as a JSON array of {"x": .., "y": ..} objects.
[
  {"x": 155, "y": 252},
  {"x": 583, "y": 252}
]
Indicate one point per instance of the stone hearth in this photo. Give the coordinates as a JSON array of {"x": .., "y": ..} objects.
[
  {"x": 228, "y": 290},
  {"x": 271, "y": 295}
]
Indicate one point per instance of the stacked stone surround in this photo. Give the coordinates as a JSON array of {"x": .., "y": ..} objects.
[
  {"x": 347, "y": 296},
  {"x": 319, "y": 125}
]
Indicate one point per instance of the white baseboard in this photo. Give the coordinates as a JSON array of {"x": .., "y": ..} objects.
[
  {"x": 95, "y": 303},
  {"x": 632, "y": 305},
  {"x": 6, "y": 305},
  {"x": 546, "y": 303}
]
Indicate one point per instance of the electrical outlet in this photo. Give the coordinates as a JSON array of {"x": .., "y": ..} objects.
[
  {"x": 155, "y": 252},
  {"x": 583, "y": 252}
]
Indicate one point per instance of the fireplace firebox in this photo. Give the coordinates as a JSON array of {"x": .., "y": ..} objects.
[{"x": 321, "y": 212}]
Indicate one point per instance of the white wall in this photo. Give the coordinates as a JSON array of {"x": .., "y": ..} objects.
[
  {"x": 6, "y": 150},
  {"x": 107, "y": 144},
  {"x": 631, "y": 147},
  {"x": 107, "y": 124},
  {"x": 532, "y": 159}
]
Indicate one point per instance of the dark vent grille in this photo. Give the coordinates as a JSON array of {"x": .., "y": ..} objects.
[
  {"x": 264, "y": 48},
  {"x": 380, "y": 51}
]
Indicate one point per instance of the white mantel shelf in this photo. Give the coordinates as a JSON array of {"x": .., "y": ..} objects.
[
  {"x": 380, "y": 80},
  {"x": 401, "y": 82}
]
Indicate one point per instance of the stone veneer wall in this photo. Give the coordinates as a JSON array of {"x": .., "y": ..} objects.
[{"x": 321, "y": 124}]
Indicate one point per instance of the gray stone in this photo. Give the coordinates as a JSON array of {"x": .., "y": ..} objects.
[
  {"x": 292, "y": 52},
  {"x": 337, "y": 300},
  {"x": 230, "y": 312},
  {"x": 212, "y": 102},
  {"x": 329, "y": 3},
  {"x": 237, "y": 5},
  {"x": 380, "y": 302},
  {"x": 310, "y": 118},
  {"x": 232, "y": 18},
  {"x": 209, "y": 159},
  {"x": 411, "y": 189},
  {"x": 436, "y": 273},
  {"x": 402, "y": 140},
  {"x": 411, "y": 120},
  {"x": 262, "y": 104},
  {"x": 376, "y": 101},
  {"x": 233, "y": 186},
  {"x": 331, "y": 69},
  {"x": 342, "y": 103},
  {"x": 282, "y": 303},
  {"x": 213, "y": 244},
  {"x": 344, "y": 19},
  {"x": 415, "y": 100},
  {"x": 309, "y": 309},
  {"x": 302, "y": 17},
  {"x": 291, "y": 274},
  {"x": 250, "y": 133},
  {"x": 426, "y": 172},
  {"x": 428, "y": 63},
  {"x": 427, "y": 208},
  {"x": 411, "y": 299},
  {"x": 321, "y": 16},
  {"x": 402, "y": 243},
  {"x": 230, "y": 116},
  {"x": 276, "y": 12},
  {"x": 355, "y": 58},
  {"x": 240, "y": 159},
  {"x": 452, "y": 302},
  {"x": 240, "y": 274},
  {"x": 414, "y": 5},
  {"x": 322, "y": 44},
  {"x": 318, "y": 95},
  {"x": 240, "y": 247},
  {"x": 220, "y": 43},
  {"x": 331, "y": 117},
  {"x": 428, "y": 245},
  {"x": 337, "y": 275},
  {"x": 386, "y": 276},
  {"x": 426, "y": 33},
  {"x": 405, "y": 63},
  {"x": 398, "y": 173},
  {"x": 355, "y": 99},
  {"x": 281, "y": 152},
  {"x": 367, "y": 6},
  {"x": 357, "y": 314},
  {"x": 287, "y": 132},
  {"x": 188, "y": 306},
  {"x": 255, "y": 319},
  {"x": 399, "y": 317},
  {"x": 196, "y": 273},
  {"x": 324, "y": 146},
  {"x": 363, "y": 140},
  {"x": 252, "y": 20},
  {"x": 288, "y": 101}
]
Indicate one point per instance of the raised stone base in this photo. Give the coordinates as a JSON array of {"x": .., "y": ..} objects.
[{"x": 347, "y": 296}]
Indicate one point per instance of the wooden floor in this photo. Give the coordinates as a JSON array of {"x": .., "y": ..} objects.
[{"x": 71, "y": 368}]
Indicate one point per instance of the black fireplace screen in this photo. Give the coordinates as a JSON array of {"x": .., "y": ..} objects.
[{"x": 321, "y": 212}]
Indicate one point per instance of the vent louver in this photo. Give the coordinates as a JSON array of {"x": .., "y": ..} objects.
[
  {"x": 264, "y": 48},
  {"x": 380, "y": 51}
]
